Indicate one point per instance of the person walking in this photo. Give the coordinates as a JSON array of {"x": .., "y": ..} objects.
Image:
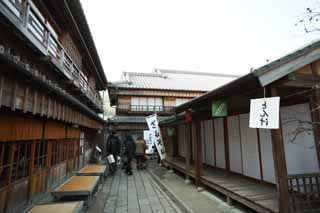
[
  {"x": 113, "y": 148},
  {"x": 130, "y": 151},
  {"x": 140, "y": 152}
]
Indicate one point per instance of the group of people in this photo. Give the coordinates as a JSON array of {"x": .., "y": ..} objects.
[{"x": 126, "y": 151}]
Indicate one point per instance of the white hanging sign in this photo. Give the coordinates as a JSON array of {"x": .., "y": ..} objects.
[
  {"x": 147, "y": 136},
  {"x": 153, "y": 125},
  {"x": 264, "y": 113}
]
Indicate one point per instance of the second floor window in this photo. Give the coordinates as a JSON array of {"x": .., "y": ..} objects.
[{"x": 146, "y": 104}]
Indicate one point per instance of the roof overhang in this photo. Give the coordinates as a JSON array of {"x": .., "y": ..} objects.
[{"x": 260, "y": 77}]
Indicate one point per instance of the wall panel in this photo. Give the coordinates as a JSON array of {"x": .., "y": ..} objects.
[
  {"x": 234, "y": 144},
  {"x": 250, "y": 149},
  {"x": 219, "y": 141}
]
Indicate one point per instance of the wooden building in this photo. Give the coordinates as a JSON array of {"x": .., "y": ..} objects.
[
  {"x": 50, "y": 80},
  {"x": 266, "y": 170},
  {"x": 140, "y": 94}
]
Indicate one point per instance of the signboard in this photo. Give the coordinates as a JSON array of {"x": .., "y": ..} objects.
[
  {"x": 219, "y": 108},
  {"x": 147, "y": 136},
  {"x": 153, "y": 125},
  {"x": 264, "y": 113},
  {"x": 171, "y": 131}
]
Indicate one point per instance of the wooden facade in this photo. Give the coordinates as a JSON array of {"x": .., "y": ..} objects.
[
  {"x": 266, "y": 170},
  {"x": 50, "y": 80}
]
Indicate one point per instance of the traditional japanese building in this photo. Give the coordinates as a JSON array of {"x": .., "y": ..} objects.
[
  {"x": 268, "y": 170},
  {"x": 50, "y": 80},
  {"x": 140, "y": 94}
]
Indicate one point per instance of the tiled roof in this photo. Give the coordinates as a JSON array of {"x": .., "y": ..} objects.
[{"x": 173, "y": 80}]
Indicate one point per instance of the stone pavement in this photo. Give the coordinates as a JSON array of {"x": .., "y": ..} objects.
[
  {"x": 153, "y": 190},
  {"x": 136, "y": 193}
]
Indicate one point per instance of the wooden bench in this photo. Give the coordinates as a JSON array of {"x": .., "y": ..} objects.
[
  {"x": 82, "y": 187},
  {"x": 93, "y": 170},
  {"x": 68, "y": 207}
]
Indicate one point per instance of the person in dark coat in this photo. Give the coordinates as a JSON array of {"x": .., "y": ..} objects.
[
  {"x": 130, "y": 152},
  {"x": 113, "y": 148}
]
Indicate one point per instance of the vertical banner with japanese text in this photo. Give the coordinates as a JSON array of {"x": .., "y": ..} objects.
[
  {"x": 264, "y": 113},
  {"x": 153, "y": 125}
]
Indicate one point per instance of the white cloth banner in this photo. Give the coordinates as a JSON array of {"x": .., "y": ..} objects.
[
  {"x": 147, "y": 136},
  {"x": 153, "y": 125},
  {"x": 264, "y": 113}
]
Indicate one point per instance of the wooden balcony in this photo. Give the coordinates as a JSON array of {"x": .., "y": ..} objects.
[
  {"x": 146, "y": 109},
  {"x": 29, "y": 21}
]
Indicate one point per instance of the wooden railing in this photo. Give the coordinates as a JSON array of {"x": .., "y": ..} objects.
[
  {"x": 145, "y": 108},
  {"x": 32, "y": 22},
  {"x": 304, "y": 192}
]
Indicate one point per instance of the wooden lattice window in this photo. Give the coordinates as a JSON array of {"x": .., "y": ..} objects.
[
  {"x": 4, "y": 163},
  {"x": 55, "y": 153},
  {"x": 21, "y": 163},
  {"x": 40, "y": 155}
]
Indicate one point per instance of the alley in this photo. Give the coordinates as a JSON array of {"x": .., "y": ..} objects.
[{"x": 154, "y": 190}]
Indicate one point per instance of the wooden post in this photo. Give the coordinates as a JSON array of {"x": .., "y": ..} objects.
[
  {"x": 196, "y": 131},
  {"x": 314, "y": 103},
  {"x": 226, "y": 144},
  {"x": 188, "y": 151},
  {"x": 280, "y": 165},
  {"x": 33, "y": 151},
  {"x": 9, "y": 177}
]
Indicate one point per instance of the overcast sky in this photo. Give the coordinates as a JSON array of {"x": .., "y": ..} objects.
[{"x": 197, "y": 35}]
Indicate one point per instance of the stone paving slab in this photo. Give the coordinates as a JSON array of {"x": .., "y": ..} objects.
[{"x": 135, "y": 194}]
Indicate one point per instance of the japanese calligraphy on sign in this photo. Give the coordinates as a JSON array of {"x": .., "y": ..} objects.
[
  {"x": 152, "y": 122},
  {"x": 264, "y": 113}
]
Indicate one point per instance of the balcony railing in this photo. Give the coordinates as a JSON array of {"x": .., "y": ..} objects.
[
  {"x": 30, "y": 22},
  {"x": 145, "y": 108},
  {"x": 304, "y": 192}
]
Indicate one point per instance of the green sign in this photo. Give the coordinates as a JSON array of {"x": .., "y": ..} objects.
[
  {"x": 219, "y": 108},
  {"x": 171, "y": 131}
]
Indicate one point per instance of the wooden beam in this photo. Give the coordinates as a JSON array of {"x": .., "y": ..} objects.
[
  {"x": 1, "y": 89},
  {"x": 301, "y": 80},
  {"x": 280, "y": 165}
]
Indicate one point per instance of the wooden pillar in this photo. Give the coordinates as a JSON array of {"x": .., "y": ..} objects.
[
  {"x": 196, "y": 135},
  {"x": 175, "y": 139},
  {"x": 9, "y": 177},
  {"x": 31, "y": 167},
  {"x": 188, "y": 150},
  {"x": 280, "y": 165},
  {"x": 226, "y": 144},
  {"x": 314, "y": 103}
]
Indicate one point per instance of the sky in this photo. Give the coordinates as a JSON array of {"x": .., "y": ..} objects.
[{"x": 197, "y": 35}]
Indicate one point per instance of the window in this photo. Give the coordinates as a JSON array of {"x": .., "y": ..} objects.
[
  {"x": 180, "y": 101},
  {"x": 4, "y": 163},
  {"x": 146, "y": 104},
  {"x": 40, "y": 155}
]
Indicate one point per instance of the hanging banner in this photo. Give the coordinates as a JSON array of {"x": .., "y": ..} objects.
[
  {"x": 147, "y": 136},
  {"x": 264, "y": 113},
  {"x": 153, "y": 125},
  {"x": 219, "y": 108}
]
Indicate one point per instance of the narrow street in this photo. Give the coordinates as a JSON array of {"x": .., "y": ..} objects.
[{"x": 153, "y": 190}]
